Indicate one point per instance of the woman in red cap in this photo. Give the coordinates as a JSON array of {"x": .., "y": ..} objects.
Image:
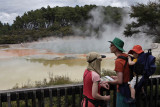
[{"x": 137, "y": 49}]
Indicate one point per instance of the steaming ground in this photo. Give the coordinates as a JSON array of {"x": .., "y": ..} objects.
[
  {"x": 20, "y": 63},
  {"x": 72, "y": 47},
  {"x": 82, "y": 45}
]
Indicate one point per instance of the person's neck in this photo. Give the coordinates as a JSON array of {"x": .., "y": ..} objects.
[{"x": 118, "y": 53}]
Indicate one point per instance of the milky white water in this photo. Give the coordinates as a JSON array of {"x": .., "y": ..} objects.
[{"x": 18, "y": 66}]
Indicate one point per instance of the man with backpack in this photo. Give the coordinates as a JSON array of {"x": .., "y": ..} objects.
[
  {"x": 136, "y": 51},
  {"x": 123, "y": 73},
  {"x": 144, "y": 66}
]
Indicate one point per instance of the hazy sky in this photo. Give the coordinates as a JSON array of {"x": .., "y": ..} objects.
[{"x": 10, "y": 9}]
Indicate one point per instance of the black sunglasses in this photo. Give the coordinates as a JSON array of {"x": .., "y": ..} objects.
[{"x": 111, "y": 45}]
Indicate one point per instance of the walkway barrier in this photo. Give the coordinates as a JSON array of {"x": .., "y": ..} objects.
[{"x": 71, "y": 96}]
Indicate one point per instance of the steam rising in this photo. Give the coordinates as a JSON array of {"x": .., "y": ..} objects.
[{"x": 107, "y": 32}]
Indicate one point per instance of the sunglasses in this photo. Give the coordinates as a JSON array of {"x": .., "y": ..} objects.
[{"x": 111, "y": 45}]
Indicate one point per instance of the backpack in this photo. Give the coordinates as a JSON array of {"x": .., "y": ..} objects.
[{"x": 145, "y": 64}]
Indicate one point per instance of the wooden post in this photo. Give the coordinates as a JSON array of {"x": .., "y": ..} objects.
[
  {"x": 34, "y": 99},
  {"x": 58, "y": 98},
  {"x": 0, "y": 101},
  {"x": 73, "y": 97},
  {"x": 17, "y": 99},
  {"x": 50, "y": 98},
  {"x": 9, "y": 99},
  {"x": 151, "y": 93},
  {"x": 26, "y": 98},
  {"x": 42, "y": 98},
  {"x": 66, "y": 97},
  {"x": 156, "y": 92},
  {"x": 80, "y": 95}
]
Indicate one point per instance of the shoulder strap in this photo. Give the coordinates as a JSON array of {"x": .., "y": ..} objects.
[
  {"x": 150, "y": 51},
  {"x": 85, "y": 75},
  {"x": 125, "y": 58},
  {"x": 146, "y": 56},
  {"x": 96, "y": 103}
]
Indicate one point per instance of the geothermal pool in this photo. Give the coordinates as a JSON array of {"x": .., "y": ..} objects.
[
  {"x": 22, "y": 65},
  {"x": 30, "y": 62}
]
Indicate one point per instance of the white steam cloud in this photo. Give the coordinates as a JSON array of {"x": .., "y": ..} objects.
[{"x": 107, "y": 32}]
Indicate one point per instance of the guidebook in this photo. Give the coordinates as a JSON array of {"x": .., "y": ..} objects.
[{"x": 106, "y": 78}]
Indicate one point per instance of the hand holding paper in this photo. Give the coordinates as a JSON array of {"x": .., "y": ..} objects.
[{"x": 107, "y": 78}]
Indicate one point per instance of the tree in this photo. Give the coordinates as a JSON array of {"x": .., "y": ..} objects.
[
  {"x": 55, "y": 21},
  {"x": 148, "y": 20}
]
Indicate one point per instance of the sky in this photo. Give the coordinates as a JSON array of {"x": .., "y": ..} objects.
[{"x": 10, "y": 9}]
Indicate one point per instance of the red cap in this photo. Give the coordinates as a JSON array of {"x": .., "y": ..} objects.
[{"x": 137, "y": 49}]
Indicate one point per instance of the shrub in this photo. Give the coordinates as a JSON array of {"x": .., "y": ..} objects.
[{"x": 57, "y": 80}]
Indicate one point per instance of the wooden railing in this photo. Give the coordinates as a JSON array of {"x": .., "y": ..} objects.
[
  {"x": 152, "y": 91},
  {"x": 70, "y": 96}
]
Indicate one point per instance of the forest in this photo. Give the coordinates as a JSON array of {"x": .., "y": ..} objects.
[
  {"x": 56, "y": 21},
  {"x": 59, "y": 21}
]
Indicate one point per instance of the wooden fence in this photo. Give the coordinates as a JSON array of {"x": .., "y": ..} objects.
[{"x": 71, "y": 96}]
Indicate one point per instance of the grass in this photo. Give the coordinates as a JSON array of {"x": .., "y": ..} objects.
[
  {"x": 108, "y": 72},
  {"x": 57, "y": 80}
]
